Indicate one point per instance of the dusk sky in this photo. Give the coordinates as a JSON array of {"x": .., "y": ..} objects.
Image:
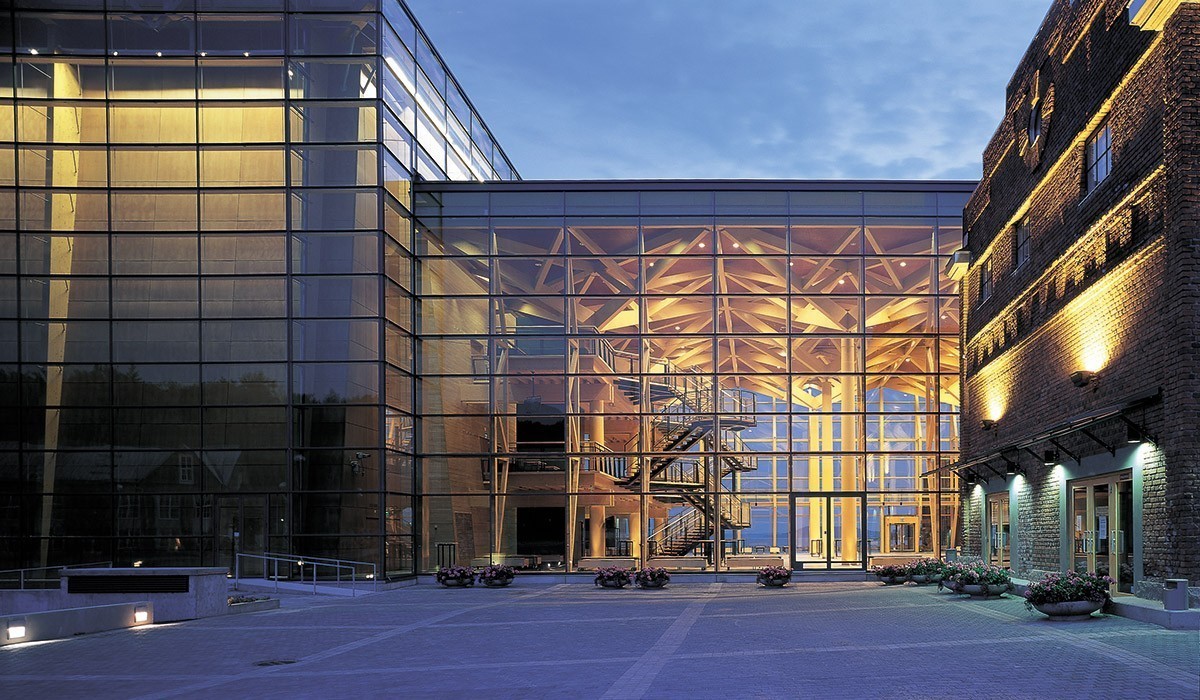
[{"x": 583, "y": 89}]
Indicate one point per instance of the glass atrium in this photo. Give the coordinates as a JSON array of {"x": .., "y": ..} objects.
[{"x": 693, "y": 374}]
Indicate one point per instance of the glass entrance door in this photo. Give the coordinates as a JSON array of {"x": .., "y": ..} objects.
[
  {"x": 829, "y": 530},
  {"x": 240, "y": 527},
  {"x": 1102, "y": 524},
  {"x": 998, "y": 530}
]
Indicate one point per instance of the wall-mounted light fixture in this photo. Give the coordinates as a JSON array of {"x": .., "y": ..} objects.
[
  {"x": 16, "y": 629},
  {"x": 1134, "y": 434},
  {"x": 1083, "y": 377},
  {"x": 1010, "y": 469},
  {"x": 987, "y": 424},
  {"x": 140, "y": 615},
  {"x": 1049, "y": 458}
]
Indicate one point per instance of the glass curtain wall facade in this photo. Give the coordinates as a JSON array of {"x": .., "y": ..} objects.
[
  {"x": 690, "y": 374},
  {"x": 206, "y": 295}
]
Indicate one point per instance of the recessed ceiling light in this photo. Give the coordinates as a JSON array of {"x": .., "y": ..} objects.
[{"x": 33, "y": 51}]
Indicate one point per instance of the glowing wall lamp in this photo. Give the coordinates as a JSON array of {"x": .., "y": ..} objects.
[
  {"x": 141, "y": 615},
  {"x": 16, "y": 629},
  {"x": 1083, "y": 377}
]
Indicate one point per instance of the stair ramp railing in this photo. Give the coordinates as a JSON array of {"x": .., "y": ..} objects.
[{"x": 341, "y": 569}]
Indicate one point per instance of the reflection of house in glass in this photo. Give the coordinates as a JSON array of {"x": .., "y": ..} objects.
[{"x": 636, "y": 369}]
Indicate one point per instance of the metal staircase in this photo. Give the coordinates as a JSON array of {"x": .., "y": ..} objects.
[{"x": 676, "y": 473}]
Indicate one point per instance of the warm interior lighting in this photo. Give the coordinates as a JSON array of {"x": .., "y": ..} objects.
[
  {"x": 137, "y": 563},
  {"x": 16, "y": 631}
]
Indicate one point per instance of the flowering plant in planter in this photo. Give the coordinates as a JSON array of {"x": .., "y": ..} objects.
[
  {"x": 1070, "y": 587},
  {"x": 891, "y": 571},
  {"x": 497, "y": 575},
  {"x": 981, "y": 575},
  {"x": 612, "y": 577},
  {"x": 774, "y": 576},
  {"x": 926, "y": 567},
  {"x": 456, "y": 576},
  {"x": 652, "y": 577}
]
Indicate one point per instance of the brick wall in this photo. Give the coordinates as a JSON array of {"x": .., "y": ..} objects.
[{"x": 1113, "y": 280}]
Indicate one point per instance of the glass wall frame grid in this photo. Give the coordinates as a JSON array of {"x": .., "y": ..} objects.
[
  {"x": 489, "y": 299},
  {"x": 177, "y": 259}
]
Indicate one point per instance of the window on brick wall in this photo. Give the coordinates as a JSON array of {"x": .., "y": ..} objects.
[
  {"x": 1021, "y": 243},
  {"x": 985, "y": 280},
  {"x": 1098, "y": 156}
]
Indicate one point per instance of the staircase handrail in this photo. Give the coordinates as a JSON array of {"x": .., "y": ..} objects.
[
  {"x": 610, "y": 462},
  {"x": 338, "y": 565},
  {"x": 22, "y": 573}
]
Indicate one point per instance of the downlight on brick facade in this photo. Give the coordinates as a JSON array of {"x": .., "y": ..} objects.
[{"x": 1109, "y": 293}]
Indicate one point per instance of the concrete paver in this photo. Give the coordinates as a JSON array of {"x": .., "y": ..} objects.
[{"x": 703, "y": 640}]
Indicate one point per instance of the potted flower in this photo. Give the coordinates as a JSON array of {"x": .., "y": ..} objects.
[
  {"x": 923, "y": 571},
  {"x": 456, "y": 576},
  {"x": 983, "y": 580},
  {"x": 1069, "y": 596},
  {"x": 497, "y": 575},
  {"x": 891, "y": 574},
  {"x": 774, "y": 576},
  {"x": 950, "y": 571},
  {"x": 652, "y": 577},
  {"x": 612, "y": 577}
]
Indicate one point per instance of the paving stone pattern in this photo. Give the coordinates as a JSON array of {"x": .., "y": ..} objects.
[{"x": 532, "y": 640}]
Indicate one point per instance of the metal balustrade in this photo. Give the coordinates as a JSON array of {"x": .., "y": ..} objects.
[
  {"x": 26, "y": 579},
  {"x": 339, "y": 567}
]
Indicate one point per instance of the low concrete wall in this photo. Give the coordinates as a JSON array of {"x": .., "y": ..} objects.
[
  {"x": 207, "y": 593},
  {"x": 59, "y": 624}
]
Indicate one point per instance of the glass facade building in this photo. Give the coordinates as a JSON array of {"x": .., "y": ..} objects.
[
  {"x": 693, "y": 373},
  {"x": 265, "y": 286},
  {"x": 205, "y": 276}
]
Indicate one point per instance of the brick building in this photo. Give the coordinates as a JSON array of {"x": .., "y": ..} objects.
[{"x": 1081, "y": 304}]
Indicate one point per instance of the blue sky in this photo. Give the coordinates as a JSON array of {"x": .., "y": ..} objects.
[{"x": 583, "y": 89}]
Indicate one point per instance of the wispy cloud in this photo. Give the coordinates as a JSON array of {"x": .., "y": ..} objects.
[{"x": 757, "y": 88}]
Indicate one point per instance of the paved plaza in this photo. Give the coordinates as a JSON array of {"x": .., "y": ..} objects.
[{"x": 701, "y": 640}]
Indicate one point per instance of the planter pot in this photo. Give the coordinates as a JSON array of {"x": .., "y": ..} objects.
[
  {"x": 934, "y": 578},
  {"x": 919, "y": 579},
  {"x": 612, "y": 584},
  {"x": 981, "y": 591},
  {"x": 893, "y": 580},
  {"x": 458, "y": 582},
  {"x": 497, "y": 582},
  {"x": 952, "y": 586},
  {"x": 652, "y": 584},
  {"x": 773, "y": 582},
  {"x": 1070, "y": 610}
]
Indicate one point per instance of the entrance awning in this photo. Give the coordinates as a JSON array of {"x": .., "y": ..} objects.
[{"x": 1080, "y": 424}]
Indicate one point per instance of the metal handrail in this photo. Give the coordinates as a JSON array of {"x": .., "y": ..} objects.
[
  {"x": 21, "y": 572},
  {"x": 338, "y": 565}
]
